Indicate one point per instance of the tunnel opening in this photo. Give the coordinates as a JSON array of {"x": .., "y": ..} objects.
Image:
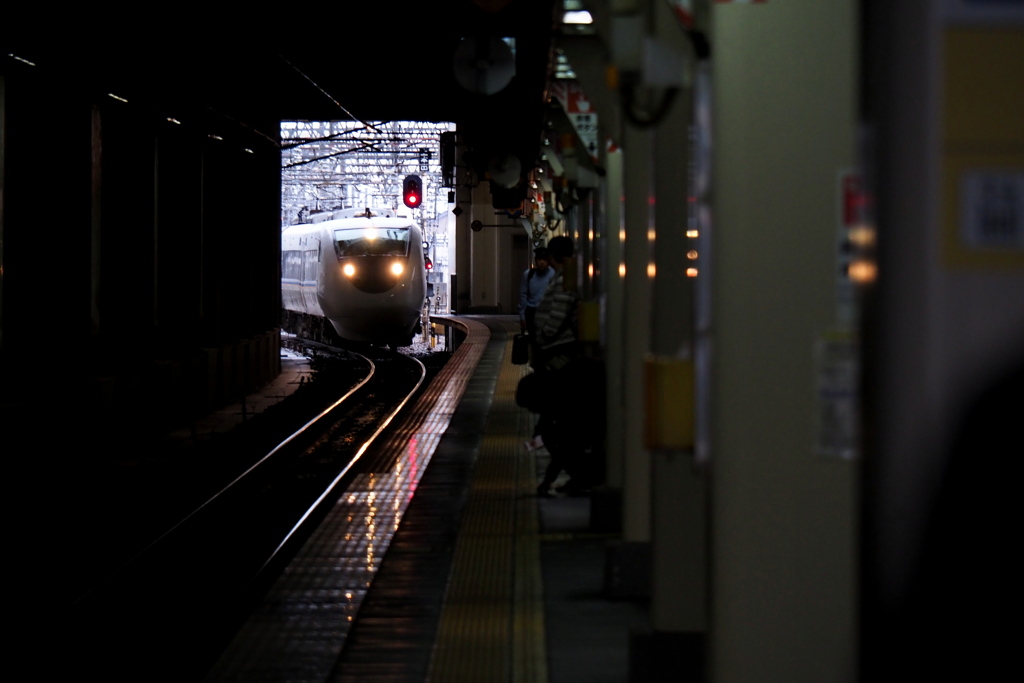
[{"x": 328, "y": 166}]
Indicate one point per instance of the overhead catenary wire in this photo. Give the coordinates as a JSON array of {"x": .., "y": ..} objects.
[{"x": 327, "y": 94}]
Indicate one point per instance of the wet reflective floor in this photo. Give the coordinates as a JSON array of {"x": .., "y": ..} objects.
[
  {"x": 299, "y": 630},
  {"x": 452, "y": 572}
]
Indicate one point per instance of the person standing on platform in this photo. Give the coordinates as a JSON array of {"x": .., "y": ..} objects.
[
  {"x": 531, "y": 290},
  {"x": 555, "y": 320},
  {"x": 565, "y": 389},
  {"x": 557, "y": 345}
]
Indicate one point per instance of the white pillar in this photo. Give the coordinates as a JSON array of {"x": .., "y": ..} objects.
[
  {"x": 484, "y": 248},
  {"x": 638, "y": 256},
  {"x": 783, "y": 516}
]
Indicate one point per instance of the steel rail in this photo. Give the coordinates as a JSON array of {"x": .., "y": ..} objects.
[
  {"x": 155, "y": 542},
  {"x": 362, "y": 449}
]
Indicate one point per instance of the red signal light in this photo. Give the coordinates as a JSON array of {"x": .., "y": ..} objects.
[
  {"x": 412, "y": 191},
  {"x": 427, "y": 263}
]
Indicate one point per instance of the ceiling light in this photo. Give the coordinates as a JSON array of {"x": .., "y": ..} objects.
[{"x": 577, "y": 17}]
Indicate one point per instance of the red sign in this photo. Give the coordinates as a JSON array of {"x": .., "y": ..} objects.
[{"x": 854, "y": 200}]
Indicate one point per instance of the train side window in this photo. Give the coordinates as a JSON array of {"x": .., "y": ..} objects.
[
  {"x": 292, "y": 265},
  {"x": 309, "y": 263}
]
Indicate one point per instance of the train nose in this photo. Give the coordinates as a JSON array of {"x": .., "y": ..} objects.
[{"x": 373, "y": 276}]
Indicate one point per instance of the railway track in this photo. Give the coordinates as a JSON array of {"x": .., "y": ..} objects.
[{"x": 175, "y": 601}]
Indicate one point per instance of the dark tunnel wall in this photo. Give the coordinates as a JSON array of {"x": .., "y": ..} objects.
[
  {"x": 146, "y": 233},
  {"x": 141, "y": 248}
]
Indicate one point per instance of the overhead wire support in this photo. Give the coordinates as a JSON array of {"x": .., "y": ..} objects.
[
  {"x": 366, "y": 149},
  {"x": 334, "y": 137},
  {"x": 331, "y": 164}
]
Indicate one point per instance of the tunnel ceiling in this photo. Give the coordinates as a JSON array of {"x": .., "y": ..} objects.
[{"x": 375, "y": 61}]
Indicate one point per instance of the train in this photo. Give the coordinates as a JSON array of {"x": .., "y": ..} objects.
[{"x": 363, "y": 271}]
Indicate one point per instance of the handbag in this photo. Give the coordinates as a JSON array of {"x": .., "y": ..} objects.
[{"x": 520, "y": 349}]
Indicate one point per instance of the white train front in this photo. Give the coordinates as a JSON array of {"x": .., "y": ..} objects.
[{"x": 361, "y": 270}]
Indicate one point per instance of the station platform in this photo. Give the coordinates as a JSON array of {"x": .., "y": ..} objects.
[{"x": 457, "y": 572}]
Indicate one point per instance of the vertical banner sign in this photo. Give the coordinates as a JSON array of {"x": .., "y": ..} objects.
[{"x": 577, "y": 108}]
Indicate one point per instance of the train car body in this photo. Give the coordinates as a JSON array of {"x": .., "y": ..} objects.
[{"x": 361, "y": 270}]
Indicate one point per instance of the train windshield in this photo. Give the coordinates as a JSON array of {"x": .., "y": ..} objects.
[{"x": 372, "y": 242}]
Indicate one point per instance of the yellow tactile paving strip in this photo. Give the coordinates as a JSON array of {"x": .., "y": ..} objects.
[
  {"x": 301, "y": 626},
  {"x": 492, "y": 626}
]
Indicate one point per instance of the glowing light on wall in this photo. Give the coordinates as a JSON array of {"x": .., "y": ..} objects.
[
  {"x": 651, "y": 270},
  {"x": 622, "y": 270},
  {"x": 863, "y": 271},
  {"x": 861, "y": 236},
  {"x": 692, "y": 254},
  {"x": 691, "y": 272}
]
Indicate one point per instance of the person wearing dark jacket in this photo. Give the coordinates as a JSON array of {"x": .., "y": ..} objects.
[
  {"x": 555, "y": 320},
  {"x": 571, "y": 405}
]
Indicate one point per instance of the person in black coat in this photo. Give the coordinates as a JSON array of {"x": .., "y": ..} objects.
[{"x": 571, "y": 405}]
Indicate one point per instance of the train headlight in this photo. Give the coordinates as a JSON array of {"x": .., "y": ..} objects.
[
  {"x": 348, "y": 269},
  {"x": 397, "y": 268}
]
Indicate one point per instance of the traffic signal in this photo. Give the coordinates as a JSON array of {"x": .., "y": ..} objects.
[
  {"x": 427, "y": 263},
  {"x": 412, "y": 191}
]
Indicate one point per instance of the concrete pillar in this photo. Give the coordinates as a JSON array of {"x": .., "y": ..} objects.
[
  {"x": 179, "y": 224},
  {"x": 33, "y": 100},
  {"x": 638, "y": 258},
  {"x": 588, "y": 55},
  {"x": 783, "y": 600},
  {"x": 485, "y": 276},
  {"x": 629, "y": 560},
  {"x": 612, "y": 325},
  {"x": 460, "y": 291},
  {"x": 674, "y": 645},
  {"x": 679, "y": 558}
]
